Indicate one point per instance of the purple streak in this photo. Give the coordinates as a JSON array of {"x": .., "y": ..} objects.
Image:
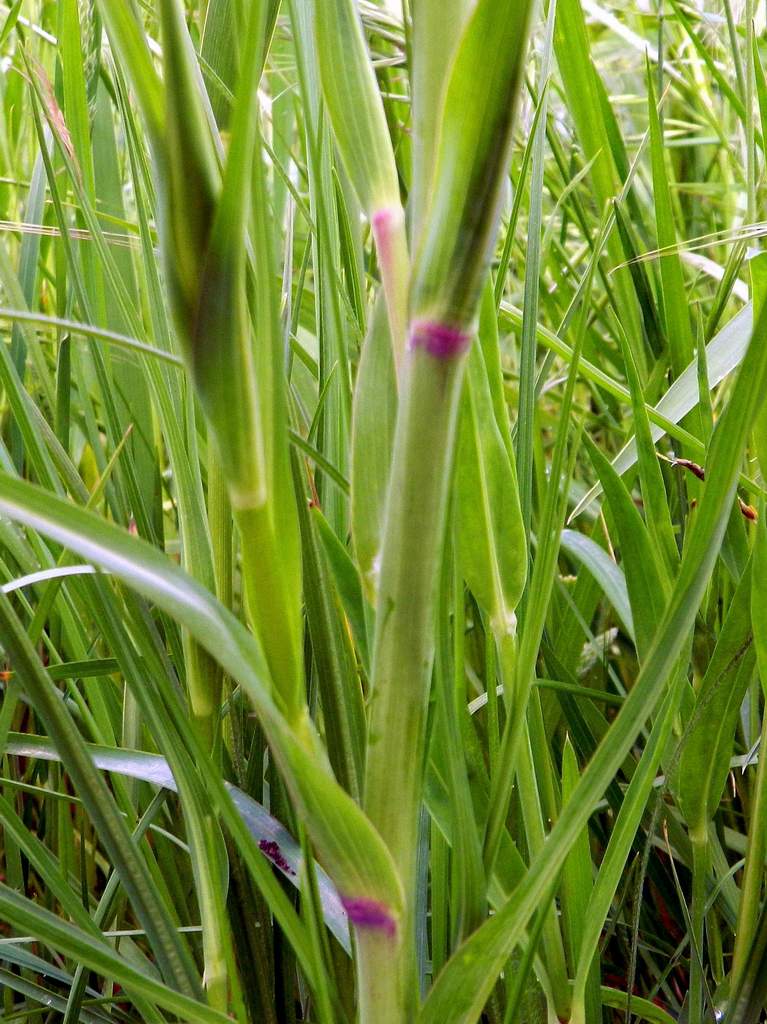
[
  {"x": 443, "y": 341},
  {"x": 272, "y": 850},
  {"x": 365, "y": 913}
]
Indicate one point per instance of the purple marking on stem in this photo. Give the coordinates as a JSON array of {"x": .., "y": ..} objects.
[
  {"x": 272, "y": 850},
  {"x": 384, "y": 222},
  {"x": 382, "y": 218},
  {"x": 365, "y": 913},
  {"x": 443, "y": 341}
]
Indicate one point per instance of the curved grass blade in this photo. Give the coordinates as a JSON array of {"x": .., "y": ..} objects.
[
  {"x": 647, "y": 588},
  {"x": 604, "y": 570}
]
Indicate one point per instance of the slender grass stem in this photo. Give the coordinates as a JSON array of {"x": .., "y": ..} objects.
[
  {"x": 751, "y": 889},
  {"x": 701, "y": 867}
]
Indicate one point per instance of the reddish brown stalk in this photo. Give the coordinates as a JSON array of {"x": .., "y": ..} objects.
[{"x": 693, "y": 467}]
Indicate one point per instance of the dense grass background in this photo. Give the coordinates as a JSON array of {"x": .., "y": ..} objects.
[{"x": 200, "y": 380}]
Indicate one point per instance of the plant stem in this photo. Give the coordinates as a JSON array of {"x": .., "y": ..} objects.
[
  {"x": 267, "y": 596},
  {"x": 220, "y": 519},
  {"x": 388, "y": 225},
  {"x": 220, "y": 524},
  {"x": 404, "y": 647},
  {"x": 701, "y": 863},
  {"x": 204, "y": 686},
  {"x": 748, "y": 914}
]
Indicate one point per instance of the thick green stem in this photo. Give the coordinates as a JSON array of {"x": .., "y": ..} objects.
[
  {"x": 381, "y": 988},
  {"x": 404, "y": 645}
]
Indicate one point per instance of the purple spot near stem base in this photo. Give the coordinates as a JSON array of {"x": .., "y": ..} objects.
[
  {"x": 443, "y": 341},
  {"x": 365, "y": 913}
]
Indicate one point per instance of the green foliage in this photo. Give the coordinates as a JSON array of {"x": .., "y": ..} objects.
[{"x": 382, "y": 474}]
